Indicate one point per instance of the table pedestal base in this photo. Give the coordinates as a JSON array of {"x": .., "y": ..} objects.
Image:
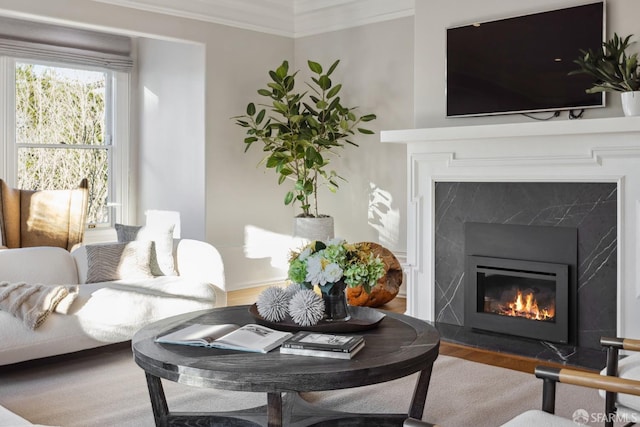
[{"x": 288, "y": 409}]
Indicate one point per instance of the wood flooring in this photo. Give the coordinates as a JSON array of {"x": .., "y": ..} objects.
[{"x": 398, "y": 305}]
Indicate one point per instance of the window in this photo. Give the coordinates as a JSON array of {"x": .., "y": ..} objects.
[
  {"x": 64, "y": 113},
  {"x": 63, "y": 131},
  {"x": 61, "y": 128}
]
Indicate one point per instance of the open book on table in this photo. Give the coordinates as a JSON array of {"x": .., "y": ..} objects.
[{"x": 252, "y": 337}]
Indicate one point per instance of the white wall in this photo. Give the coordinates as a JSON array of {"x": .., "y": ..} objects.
[
  {"x": 171, "y": 158},
  {"x": 245, "y": 217},
  {"x": 376, "y": 70},
  {"x": 248, "y": 213},
  {"x": 434, "y": 16}
]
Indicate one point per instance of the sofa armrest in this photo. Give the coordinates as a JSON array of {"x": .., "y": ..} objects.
[
  {"x": 201, "y": 261},
  {"x": 38, "y": 264}
]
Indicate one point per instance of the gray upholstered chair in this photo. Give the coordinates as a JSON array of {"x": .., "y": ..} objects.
[
  {"x": 42, "y": 218},
  {"x": 623, "y": 405},
  {"x": 551, "y": 376}
]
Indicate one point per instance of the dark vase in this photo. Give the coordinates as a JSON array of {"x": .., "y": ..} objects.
[{"x": 335, "y": 303}]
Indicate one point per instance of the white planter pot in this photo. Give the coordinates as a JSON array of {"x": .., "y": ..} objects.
[
  {"x": 631, "y": 103},
  {"x": 313, "y": 228}
]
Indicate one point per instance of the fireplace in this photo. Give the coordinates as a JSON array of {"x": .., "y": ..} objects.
[
  {"x": 575, "y": 173},
  {"x": 521, "y": 280}
]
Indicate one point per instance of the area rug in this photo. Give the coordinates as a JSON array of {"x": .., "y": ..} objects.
[{"x": 109, "y": 389}]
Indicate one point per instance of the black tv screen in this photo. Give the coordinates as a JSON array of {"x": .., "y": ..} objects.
[{"x": 521, "y": 64}]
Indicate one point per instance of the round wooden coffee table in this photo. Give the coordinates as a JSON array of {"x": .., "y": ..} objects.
[{"x": 399, "y": 346}]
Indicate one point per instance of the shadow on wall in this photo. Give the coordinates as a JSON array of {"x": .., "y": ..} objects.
[
  {"x": 383, "y": 217},
  {"x": 265, "y": 244},
  {"x": 260, "y": 244}
]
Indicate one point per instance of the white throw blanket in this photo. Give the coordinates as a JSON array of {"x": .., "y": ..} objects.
[{"x": 32, "y": 303}]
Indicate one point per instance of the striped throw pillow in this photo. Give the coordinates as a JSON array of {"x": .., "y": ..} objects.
[{"x": 115, "y": 261}]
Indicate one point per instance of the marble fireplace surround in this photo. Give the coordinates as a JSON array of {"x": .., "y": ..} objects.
[
  {"x": 585, "y": 211},
  {"x": 604, "y": 150}
]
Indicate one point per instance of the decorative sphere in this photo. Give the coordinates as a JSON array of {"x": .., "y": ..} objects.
[
  {"x": 306, "y": 308},
  {"x": 293, "y": 289},
  {"x": 272, "y": 304}
]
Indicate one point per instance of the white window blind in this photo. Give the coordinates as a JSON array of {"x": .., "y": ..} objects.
[{"x": 35, "y": 40}]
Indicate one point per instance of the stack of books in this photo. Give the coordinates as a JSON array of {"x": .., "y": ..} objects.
[{"x": 305, "y": 343}]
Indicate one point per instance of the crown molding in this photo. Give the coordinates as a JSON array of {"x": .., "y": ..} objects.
[
  {"x": 289, "y": 18},
  {"x": 314, "y": 17},
  {"x": 267, "y": 16}
]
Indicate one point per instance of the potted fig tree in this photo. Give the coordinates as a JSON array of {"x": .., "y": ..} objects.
[
  {"x": 614, "y": 70},
  {"x": 300, "y": 132}
]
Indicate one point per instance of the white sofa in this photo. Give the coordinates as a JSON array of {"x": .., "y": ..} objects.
[
  {"x": 106, "y": 312},
  {"x": 9, "y": 419}
]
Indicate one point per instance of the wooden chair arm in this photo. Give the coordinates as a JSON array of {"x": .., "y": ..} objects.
[
  {"x": 620, "y": 343},
  {"x": 551, "y": 376},
  {"x": 589, "y": 379},
  {"x": 613, "y": 346},
  {"x": 412, "y": 422}
]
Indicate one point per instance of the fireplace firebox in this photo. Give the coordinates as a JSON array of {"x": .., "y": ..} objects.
[
  {"x": 521, "y": 280},
  {"x": 525, "y": 298}
]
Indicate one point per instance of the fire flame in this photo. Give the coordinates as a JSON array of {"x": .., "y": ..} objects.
[{"x": 526, "y": 306}]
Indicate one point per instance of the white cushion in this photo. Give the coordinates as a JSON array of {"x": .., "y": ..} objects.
[
  {"x": 114, "y": 311},
  {"x": 628, "y": 367},
  {"x": 103, "y": 313},
  {"x": 535, "y": 418},
  {"x": 8, "y": 418},
  {"x": 162, "y": 261}
]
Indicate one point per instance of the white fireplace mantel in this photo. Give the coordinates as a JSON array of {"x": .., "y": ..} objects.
[
  {"x": 584, "y": 150},
  {"x": 616, "y": 125}
]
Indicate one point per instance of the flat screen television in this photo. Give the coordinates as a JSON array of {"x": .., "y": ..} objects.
[{"x": 521, "y": 64}]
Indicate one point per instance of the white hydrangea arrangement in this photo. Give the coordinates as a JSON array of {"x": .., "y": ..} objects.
[{"x": 325, "y": 264}]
